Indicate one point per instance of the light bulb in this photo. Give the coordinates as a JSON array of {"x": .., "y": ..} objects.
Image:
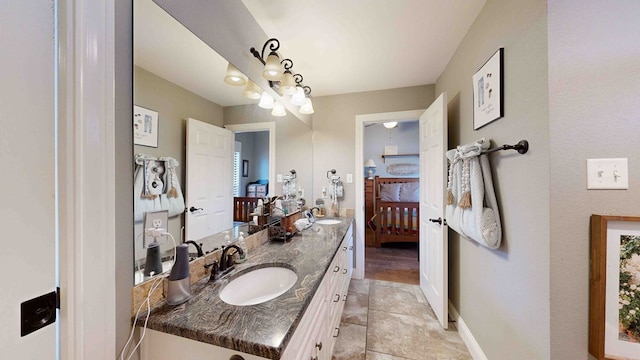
[
  {"x": 266, "y": 101},
  {"x": 307, "y": 107},
  {"x": 278, "y": 110},
  {"x": 298, "y": 98}
]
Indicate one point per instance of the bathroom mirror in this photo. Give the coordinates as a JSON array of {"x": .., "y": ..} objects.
[{"x": 176, "y": 77}]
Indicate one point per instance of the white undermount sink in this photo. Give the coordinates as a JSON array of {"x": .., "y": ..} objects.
[
  {"x": 258, "y": 286},
  {"x": 328, "y": 221}
]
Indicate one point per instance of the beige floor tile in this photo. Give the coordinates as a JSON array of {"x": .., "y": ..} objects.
[
  {"x": 351, "y": 342},
  {"x": 398, "y": 335},
  {"x": 356, "y": 309},
  {"x": 391, "y": 284},
  {"x": 397, "y": 300},
  {"x": 359, "y": 286}
]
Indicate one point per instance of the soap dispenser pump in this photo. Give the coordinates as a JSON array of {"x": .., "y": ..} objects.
[{"x": 179, "y": 288}]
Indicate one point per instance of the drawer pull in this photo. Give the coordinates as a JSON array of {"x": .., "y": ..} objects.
[
  {"x": 337, "y": 332},
  {"x": 319, "y": 345},
  {"x": 344, "y": 297},
  {"x": 344, "y": 248},
  {"x": 337, "y": 298},
  {"x": 344, "y": 271},
  {"x": 236, "y": 357},
  {"x": 336, "y": 269},
  {"x": 351, "y": 247},
  {"x": 314, "y": 358}
]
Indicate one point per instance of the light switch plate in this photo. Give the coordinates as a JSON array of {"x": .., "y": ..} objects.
[
  {"x": 279, "y": 178},
  {"x": 607, "y": 174},
  {"x": 349, "y": 178}
]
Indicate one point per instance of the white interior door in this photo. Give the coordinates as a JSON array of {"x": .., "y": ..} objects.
[
  {"x": 27, "y": 149},
  {"x": 209, "y": 180},
  {"x": 433, "y": 230}
]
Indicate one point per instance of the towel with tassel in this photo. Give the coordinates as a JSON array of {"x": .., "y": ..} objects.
[
  {"x": 472, "y": 208},
  {"x": 156, "y": 186}
]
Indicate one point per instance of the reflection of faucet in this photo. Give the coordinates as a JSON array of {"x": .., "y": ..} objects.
[
  {"x": 198, "y": 247},
  {"x": 310, "y": 215},
  {"x": 228, "y": 263}
]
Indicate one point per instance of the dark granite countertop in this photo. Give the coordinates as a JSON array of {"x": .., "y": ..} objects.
[{"x": 262, "y": 329}]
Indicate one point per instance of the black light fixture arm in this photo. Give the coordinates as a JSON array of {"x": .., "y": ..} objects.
[
  {"x": 287, "y": 64},
  {"x": 273, "y": 45}
]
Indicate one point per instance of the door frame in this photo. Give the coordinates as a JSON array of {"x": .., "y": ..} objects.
[
  {"x": 361, "y": 121},
  {"x": 269, "y": 126},
  {"x": 86, "y": 193}
]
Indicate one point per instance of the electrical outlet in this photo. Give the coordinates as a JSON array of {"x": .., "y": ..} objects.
[
  {"x": 155, "y": 220},
  {"x": 279, "y": 178},
  {"x": 349, "y": 178}
]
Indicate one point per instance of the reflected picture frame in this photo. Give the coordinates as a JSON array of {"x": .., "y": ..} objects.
[
  {"x": 145, "y": 126},
  {"x": 245, "y": 168},
  {"x": 488, "y": 91},
  {"x": 614, "y": 287}
]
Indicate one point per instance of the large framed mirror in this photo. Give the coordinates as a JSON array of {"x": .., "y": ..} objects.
[{"x": 180, "y": 78}]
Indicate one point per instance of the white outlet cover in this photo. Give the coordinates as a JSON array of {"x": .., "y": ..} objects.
[
  {"x": 155, "y": 219},
  {"x": 607, "y": 174},
  {"x": 349, "y": 178}
]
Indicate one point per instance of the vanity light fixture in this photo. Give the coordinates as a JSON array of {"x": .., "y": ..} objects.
[
  {"x": 281, "y": 77},
  {"x": 266, "y": 101},
  {"x": 252, "y": 91},
  {"x": 234, "y": 76},
  {"x": 307, "y": 107},
  {"x": 390, "y": 124},
  {"x": 278, "y": 110},
  {"x": 298, "y": 99}
]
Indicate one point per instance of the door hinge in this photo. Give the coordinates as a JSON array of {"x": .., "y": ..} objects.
[{"x": 57, "y": 297}]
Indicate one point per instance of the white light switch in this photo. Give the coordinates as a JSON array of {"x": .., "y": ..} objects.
[
  {"x": 349, "y": 178},
  {"x": 607, "y": 174},
  {"x": 279, "y": 178}
]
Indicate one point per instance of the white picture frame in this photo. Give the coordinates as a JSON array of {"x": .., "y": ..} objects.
[
  {"x": 488, "y": 91},
  {"x": 145, "y": 126}
]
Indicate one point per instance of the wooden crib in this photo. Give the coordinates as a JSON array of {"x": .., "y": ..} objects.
[{"x": 396, "y": 219}]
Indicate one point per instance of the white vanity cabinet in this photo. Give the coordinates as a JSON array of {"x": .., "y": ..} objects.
[{"x": 314, "y": 338}]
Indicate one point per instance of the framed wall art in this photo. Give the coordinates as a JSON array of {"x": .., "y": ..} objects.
[
  {"x": 488, "y": 95},
  {"x": 245, "y": 168},
  {"x": 614, "y": 292},
  {"x": 145, "y": 127}
]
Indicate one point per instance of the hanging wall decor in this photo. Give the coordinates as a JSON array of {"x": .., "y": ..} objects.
[
  {"x": 145, "y": 127},
  {"x": 488, "y": 96},
  {"x": 614, "y": 293}
]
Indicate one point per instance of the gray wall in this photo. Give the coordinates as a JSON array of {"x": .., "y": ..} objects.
[
  {"x": 334, "y": 129},
  {"x": 405, "y": 136},
  {"x": 174, "y": 105},
  {"x": 594, "y": 79},
  {"x": 255, "y": 149},
  {"x": 503, "y": 295}
]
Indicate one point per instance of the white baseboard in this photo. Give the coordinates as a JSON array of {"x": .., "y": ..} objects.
[{"x": 466, "y": 335}]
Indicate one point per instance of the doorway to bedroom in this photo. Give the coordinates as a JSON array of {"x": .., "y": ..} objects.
[{"x": 391, "y": 201}]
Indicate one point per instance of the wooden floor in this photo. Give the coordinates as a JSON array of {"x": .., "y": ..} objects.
[{"x": 397, "y": 262}]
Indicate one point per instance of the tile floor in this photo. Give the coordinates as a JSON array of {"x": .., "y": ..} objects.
[{"x": 392, "y": 321}]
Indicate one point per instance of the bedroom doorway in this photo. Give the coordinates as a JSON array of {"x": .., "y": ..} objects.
[
  {"x": 390, "y": 150},
  {"x": 361, "y": 223}
]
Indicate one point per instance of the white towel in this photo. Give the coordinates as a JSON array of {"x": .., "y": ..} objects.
[
  {"x": 144, "y": 200},
  {"x": 480, "y": 221}
]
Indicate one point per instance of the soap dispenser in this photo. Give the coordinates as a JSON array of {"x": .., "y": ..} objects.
[
  {"x": 179, "y": 288},
  {"x": 242, "y": 257}
]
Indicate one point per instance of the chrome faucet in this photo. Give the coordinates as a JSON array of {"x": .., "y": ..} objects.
[
  {"x": 198, "y": 247},
  {"x": 227, "y": 263},
  {"x": 310, "y": 215}
]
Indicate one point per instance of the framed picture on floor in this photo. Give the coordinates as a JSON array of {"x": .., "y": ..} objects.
[
  {"x": 614, "y": 293},
  {"x": 488, "y": 85}
]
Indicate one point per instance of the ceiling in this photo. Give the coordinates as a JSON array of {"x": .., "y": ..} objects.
[{"x": 338, "y": 46}]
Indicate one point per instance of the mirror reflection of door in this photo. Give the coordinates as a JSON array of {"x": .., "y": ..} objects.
[
  {"x": 209, "y": 180},
  {"x": 251, "y": 172}
]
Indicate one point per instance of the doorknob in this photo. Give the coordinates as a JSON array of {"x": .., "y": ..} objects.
[
  {"x": 194, "y": 209},
  {"x": 439, "y": 221}
]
